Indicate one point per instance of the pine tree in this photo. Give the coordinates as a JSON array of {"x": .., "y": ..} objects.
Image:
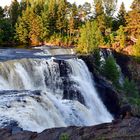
[
  {"x": 136, "y": 5},
  {"x": 61, "y": 20},
  {"x": 29, "y": 28},
  {"x": 73, "y": 20},
  {"x": 133, "y": 20},
  {"x": 86, "y": 8},
  {"x": 110, "y": 70},
  {"x": 90, "y": 38},
  {"x": 36, "y": 28},
  {"x": 136, "y": 50},
  {"x": 100, "y": 16},
  {"x": 6, "y": 31},
  {"x": 121, "y": 37},
  {"x": 130, "y": 88},
  {"x": 22, "y": 27},
  {"x": 52, "y": 16},
  {"x": 14, "y": 12},
  {"x": 1, "y": 12},
  {"x": 121, "y": 15}
]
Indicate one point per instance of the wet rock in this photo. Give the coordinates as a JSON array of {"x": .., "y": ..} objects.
[{"x": 126, "y": 129}]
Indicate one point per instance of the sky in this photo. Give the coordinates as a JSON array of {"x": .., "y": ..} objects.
[{"x": 126, "y": 2}]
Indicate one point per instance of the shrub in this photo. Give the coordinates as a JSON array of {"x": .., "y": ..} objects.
[
  {"x": 110, "y": 70},
  {"x": 64, "y": 136},
  {"x": 130, "y": 88}
]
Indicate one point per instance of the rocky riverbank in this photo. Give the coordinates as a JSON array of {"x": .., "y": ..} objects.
[{"x": 126, "y": 129}]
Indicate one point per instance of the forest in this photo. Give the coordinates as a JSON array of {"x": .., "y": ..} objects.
[{"x": 87, "y": 27}]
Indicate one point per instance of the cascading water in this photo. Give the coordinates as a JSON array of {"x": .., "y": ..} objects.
[{"x": 46, "y": 93}]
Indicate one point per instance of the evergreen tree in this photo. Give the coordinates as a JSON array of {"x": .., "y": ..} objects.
[
  {"x": 1, "y": 12},
  {"x": 130, "y": 88},
  {"x": 6, "y": 33},
  {"x": 136, "y": 5},
  {"x": 45, "y": 23},
  {"x": 121, "y": 15},
  {"x": 121, "y": 37},
  {"x": 14, "y": 12},
  {"x": 110, "y": 70},
  {"x": 22, "y": 28},
  {"x": 90, "y": 38},
  {"x": 100, "y": 16},
  {"x": 29, "y": 28},
  {"x": 73, "y": 20},
  {"x": 86, "y": 9},
  {"x": 133, "y": 20},
  {"x": 52, "y": 16},
  {"x": 61, "y": 20},
  {"x": 36, "y": 28},
  {"x": 136, "y": 50}
]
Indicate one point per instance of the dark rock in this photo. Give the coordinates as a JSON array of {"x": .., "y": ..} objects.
[
  {"x": 126, "y": 129},
  {"x": 129, "y": 66},
  {"x": 125, "y": 111}
]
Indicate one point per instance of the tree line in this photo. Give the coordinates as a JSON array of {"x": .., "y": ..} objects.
[{"x": 59, "y": 22}]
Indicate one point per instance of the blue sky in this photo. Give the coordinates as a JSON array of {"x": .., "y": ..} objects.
[{"x": 127, "y": 2}]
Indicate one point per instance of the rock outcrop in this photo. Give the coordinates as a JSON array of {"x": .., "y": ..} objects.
[{"x": 126, "y": 129}]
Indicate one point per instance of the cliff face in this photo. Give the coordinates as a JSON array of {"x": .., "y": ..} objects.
[
  {"x": 127, "y": 129},
  {"x": 130, "y": 68}
]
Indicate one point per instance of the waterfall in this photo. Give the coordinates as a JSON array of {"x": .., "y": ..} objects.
[{"x": 46, "y": 93}]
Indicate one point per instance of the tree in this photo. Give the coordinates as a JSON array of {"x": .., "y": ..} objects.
[
  {"x": 110, "y": 70},
  {"x": 29, "y": 28},
  {"x": 14, "y": 12},
  {"x": 73, "y": 23},
  {"x": 36, "y": 28},
  {"x": 121, "y": 15},
  {"x": 61, "y": 14},
  {"x": 52, "y": 16},
  {"x": 1, "y": 12},
  {"x": 6, "y": 34},
  {"x": 22, "y": 28},
  {"x": 136, "y": 50},
  {"x": 5, "y": 27},
  {"x": 100, "y": 16},
  {"x": 133, "y": 20},
  {"x": 136, "y": 5},
  {"x": 130, "y": 88},
  {"x": 86, "y": 9},
  {"x": 90, "y": 38},
  {"x": 121, "y": 37},
  {"x": 110, "y": 7}
]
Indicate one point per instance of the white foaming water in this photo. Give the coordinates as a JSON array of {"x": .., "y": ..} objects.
[{"x": 48, "y": 108}]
